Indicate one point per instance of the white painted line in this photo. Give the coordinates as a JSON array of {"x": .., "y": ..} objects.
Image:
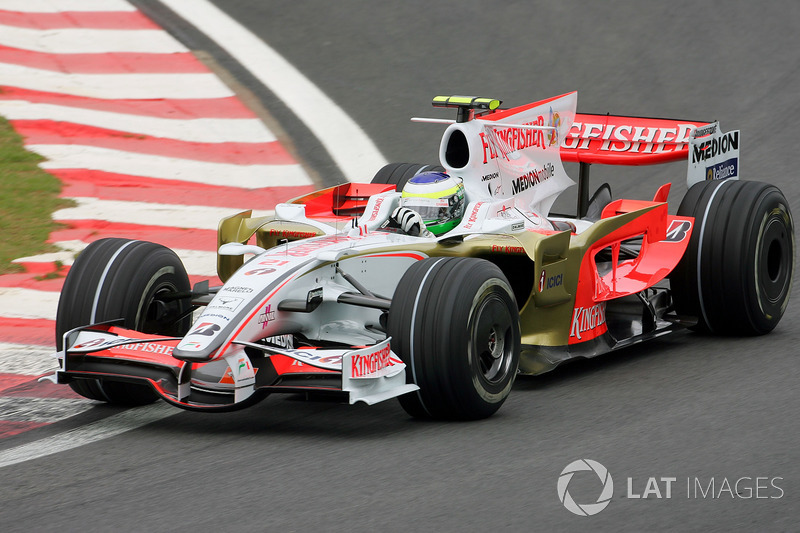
[
  {"x": 66, "y": 255},
  {"x": 168, "y": 215},
  {"x": 46, "y": 410},
  {"x": 17, "y": 302},
  {"x": 58, "y": 6},
  {"x": 345, "y": 141},
  {"x": 115, "y": 86},
  {"x": 27, "y": 360},
  {"x": 204, "y": 130},
  {"x": 96, "y": 431},
  {"x": 196, "y": 262},
  {"x": 89, "y": 41},
  {"x": 66, "y": 156}
]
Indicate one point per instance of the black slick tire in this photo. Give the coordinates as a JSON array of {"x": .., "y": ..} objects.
[
  {"x": 455, "y": 324},
  {"x": 398, "y": 174},
  {"x": 736, "y": 274},
  {"x": 129, "y": 280}
]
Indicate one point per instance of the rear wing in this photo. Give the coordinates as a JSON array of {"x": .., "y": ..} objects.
[
  {"x": 621, "y": 140},
  {"x": 518, "y": 152}
]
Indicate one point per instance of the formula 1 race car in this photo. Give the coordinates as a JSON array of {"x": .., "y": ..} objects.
[{"x": 335, "y": 294}]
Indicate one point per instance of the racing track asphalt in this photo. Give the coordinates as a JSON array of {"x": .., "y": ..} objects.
[{"x": 688, "y": 406}]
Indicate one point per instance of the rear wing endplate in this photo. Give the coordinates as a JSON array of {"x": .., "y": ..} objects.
[{"x": 713, "y": 155}]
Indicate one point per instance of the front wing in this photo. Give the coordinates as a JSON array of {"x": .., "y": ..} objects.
[{"x": 242, "y": 377}]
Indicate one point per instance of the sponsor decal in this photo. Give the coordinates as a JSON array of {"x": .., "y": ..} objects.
[
  {"x": 507, "y": 140},
  {"x": 207, "y": 329},
  {"x": 235, "y": 289},
  {"x": 281, "y": 341},
  {"x": 505, "y": 212},
  {"x": 554, "y": 281},
  {"x": 333, "y": 362},
  {"x": 217, "y": 315},
  {"x": 721, "y": 171},
  {"x": 587, "y": 318},
  {"x": 490, "y": 177},
  {"x": 192, "y": 345},
  {"x": 260, "y": 271},
  {"x": 228, "y": 303},
  {"x": 549, "y": 282},
  {"x": 307, "y": 248},
  {"x": 290, "y": 234},
  {"x": 362, "y": 365},
  {"x": 376, "y": 209},
  {"x": 705, "y": 130},
  {"x": 266, "y": 317},
  {"x": 678, "y": 230},
  {"x": 532, "y": 178},
  {"x": 517, "y": 226},
  {"x": 100, "y": 342},
  {"x": 148, "y": 347},
  {"x": 627, "y": 138},
  {"x": 473, "y": 216},
  {"x": 508, "y": 249},
  {"x": 242, "y": 364},
  {"x": 124, "y": 343},
  {"x": 554, "y": 122},
  {"x": 716, "y": 146},
  {"x": 273, "y": 262}
]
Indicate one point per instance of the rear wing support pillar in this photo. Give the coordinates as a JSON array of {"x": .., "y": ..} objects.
[{"x": 583, "y": 189}]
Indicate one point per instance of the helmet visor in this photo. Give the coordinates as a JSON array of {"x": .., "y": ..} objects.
[{"x": 430, "y": 209}]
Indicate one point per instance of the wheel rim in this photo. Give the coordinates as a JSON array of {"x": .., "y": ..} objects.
[
  {"x": 160, "y": 313},
  {"x": 775, "y": 260},
  {"x": 492, "y": 340}
]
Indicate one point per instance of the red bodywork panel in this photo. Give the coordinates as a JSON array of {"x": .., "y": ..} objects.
[
  {"x": 155, "y": 351},
  {"x": 664, "y": 239},
  {"x": 342, "y": 201},
  {"x": 620, "y": 140}
]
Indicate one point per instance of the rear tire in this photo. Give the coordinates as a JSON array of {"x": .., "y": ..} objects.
[
  {"x": 398, "y": 174},
  {"x": 736, "y": 274},
  {"x": 122, "y": 279},
  {"x": 454, "y": 322}
]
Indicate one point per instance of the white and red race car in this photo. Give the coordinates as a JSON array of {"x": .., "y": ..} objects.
[{"x": 324, "y": 297}]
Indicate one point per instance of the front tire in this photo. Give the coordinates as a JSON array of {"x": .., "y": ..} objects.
[
  {"x": 736, "y": 274},
  {"x": 455, "y": 324},
  {"x": 129, "y": 280}
]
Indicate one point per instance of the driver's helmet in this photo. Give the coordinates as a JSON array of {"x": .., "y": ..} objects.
[{"x": 437, "y": 197}]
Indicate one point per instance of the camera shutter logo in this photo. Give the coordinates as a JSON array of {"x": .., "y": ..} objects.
[{"x": 586, "y": 509}]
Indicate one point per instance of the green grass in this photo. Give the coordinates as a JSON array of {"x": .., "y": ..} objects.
[{"x": 28, "y": 196}]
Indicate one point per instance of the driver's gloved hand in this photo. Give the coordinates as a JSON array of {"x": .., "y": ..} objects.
[{"x": 410, "y": 222}]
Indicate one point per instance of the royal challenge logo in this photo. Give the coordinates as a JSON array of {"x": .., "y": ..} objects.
[{"x": 585, "y": 468}]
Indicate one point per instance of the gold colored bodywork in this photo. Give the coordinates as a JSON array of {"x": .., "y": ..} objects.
[{"x": 545, "y": 315}]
